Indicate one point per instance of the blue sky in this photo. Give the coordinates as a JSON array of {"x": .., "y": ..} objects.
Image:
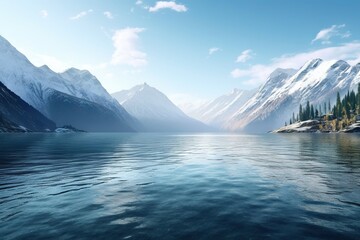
[{"x": 189, "y": 49}]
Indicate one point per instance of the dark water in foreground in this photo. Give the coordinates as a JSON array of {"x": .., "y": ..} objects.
[{"x": 158, "y": 186}]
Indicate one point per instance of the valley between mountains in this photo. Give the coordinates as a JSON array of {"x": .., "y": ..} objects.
[{"x": 37, "y": 99}]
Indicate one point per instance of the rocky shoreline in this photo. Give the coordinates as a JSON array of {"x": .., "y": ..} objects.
[{"x": 314, "y": 126}]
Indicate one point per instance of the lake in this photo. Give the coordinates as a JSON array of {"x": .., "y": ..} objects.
[{"x": 179, "y": 186}]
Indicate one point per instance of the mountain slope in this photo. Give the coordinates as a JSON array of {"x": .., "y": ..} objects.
[
  {"x": 155, "y": 111},
  {"x": 317, "y": 81},
  {"x": 36, "y": 86},
  {"x": 16, "y": 113},
  {"x": 220, "y": 110},
  {"x": 88, "y": 114}
]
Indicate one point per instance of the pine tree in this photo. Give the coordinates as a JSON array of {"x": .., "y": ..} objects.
[
  {"x": 312, "y": 113},
  {"x": 342, "y": 110},
  {"x": 307, "y": 115},
  {"x": 352, "y": 100},
  {"x": 325, "y": 107},
  {"x": 358, "y": 98},
  {"x": 338, "y": 105},
  {"x": 293, "y": 117}
]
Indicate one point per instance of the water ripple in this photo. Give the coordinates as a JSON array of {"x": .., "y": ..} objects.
[{"x": 168, "y": 186}]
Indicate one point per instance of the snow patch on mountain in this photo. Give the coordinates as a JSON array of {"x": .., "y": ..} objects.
[
  {"x": 222, "y": 108},
  {"x": 317, "y": 81},
  {"x": 155, "y": 111},
  {"x": 144, "y": 101},
  {"x": 36, "y": 84}
]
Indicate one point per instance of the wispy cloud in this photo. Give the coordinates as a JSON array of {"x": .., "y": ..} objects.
[
  {"x": 258, "y": 73},
  {"x": 213, "y": 50},
  {"x": 139, "y": 2},
  {"x": 325, "y": 35},
  {"x": 126, "y": 48},
  {"x": 245, "y": 56},
  {"x": 168, "y": 5},
  {"x": 81, "y": 14},
  {"x": 44, "y": 13},
  {"x": 108, "y": 15}
]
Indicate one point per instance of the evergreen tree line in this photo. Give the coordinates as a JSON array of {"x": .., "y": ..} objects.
[{"x": 345, "y": 108}]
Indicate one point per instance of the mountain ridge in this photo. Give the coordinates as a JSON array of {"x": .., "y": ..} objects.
[
  {"x": 36, "y": 85},
  {"x": 155, "y": 111},
  {"x": 316, "y": 81},
  {"x": 18, "y": 115}
]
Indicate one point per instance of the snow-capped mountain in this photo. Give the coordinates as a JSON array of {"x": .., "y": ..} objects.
[
  {"x": 220, "y": 110},
  {"x": 155, "y": 111},
  {"x": 72, "y": 88},
  {"x": 317, "y": 81},
  {"x": 84, "y": 85},
  {"x": 17, "y": 115}
]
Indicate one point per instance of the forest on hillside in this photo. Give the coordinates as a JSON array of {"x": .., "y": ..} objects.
[{"x": 344, "y": 112}]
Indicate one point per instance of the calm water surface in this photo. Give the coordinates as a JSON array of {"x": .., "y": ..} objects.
[{"x": 166, "y": 186}]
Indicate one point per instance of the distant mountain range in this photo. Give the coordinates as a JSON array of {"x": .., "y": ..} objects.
[
  {"x": 220, "y": 110},
  {"x": 155, "y": 111},
  {"x": 271, "y": 105},
  {"x": 36, "y": 98},
  {"x": 77, "y": 98},
  {"x": 71, "y": 98}
]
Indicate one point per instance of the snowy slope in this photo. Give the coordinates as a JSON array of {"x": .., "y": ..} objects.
[
  {"x": 220, "y": 110},
  {"x": 87, "y": 86},
  {"x": 355, "y": 71},
  {"x": 15, "y": 112},
  {"x": 155, "y": 111},
  {"x": 36, "y": 85},
  {"x": 317, "y": 81}
]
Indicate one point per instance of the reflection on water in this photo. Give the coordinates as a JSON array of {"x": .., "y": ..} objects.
[{"x": 152, "y": 186}]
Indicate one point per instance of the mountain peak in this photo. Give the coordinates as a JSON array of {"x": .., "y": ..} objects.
[
  {"x": 144, "y": 86},
  {"x": 235, "y": 90},
  {"x": 10, "y": 56},
  {"x": 155, "y": 110},
  {"x": 340, "y": 64},
  {"x": 146, "y": 95},
  {"x": 76, "y": 71},
  {"x": 312, "y": 63},
  {"x": 45, "y": 67}
]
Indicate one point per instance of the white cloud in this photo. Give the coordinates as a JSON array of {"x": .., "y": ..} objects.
[
  {"x": 139, "y": 2},
  {"x": 126, "y": 48},
  {"x": 213, "y": 50},
  {"x": 334, "y": 31},
  {"x": 44, "y": 13},
  {"x": 108, "y": 15},
  {"x": 258, "y": 73},
  {"x": 81, "y": 14},
  {"x": 169, "y": 5},
  {"x": 245, "y": 56}
]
